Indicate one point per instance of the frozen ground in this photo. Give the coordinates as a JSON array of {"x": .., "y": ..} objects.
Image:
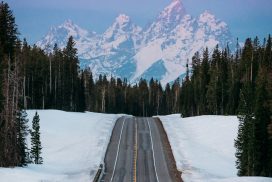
[
  {"x": 73, "y": 144},
  {"x": 203, "y": 147}
]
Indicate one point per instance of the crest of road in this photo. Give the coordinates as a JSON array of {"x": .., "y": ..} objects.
[{"x": 139, "y": 151}]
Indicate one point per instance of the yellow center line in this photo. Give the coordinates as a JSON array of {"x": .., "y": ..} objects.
[{"x": 135, "y": 153}]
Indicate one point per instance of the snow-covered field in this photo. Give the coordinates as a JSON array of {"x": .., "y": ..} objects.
[
  {"x": 73, "y": 144},
  {"x": 203, "y": 147}
]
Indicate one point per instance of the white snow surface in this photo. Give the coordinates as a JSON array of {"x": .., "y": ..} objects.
[
  {"x": 74, "y": 145},
  {"x": 203, "y": 148}
]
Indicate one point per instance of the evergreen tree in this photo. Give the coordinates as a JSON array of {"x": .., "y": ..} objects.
[
  {"x": 176, "y": 96},
  {"x": 195, "y": 79},
  {"x": 223, "y": 79},
  {"x": 233, "y": 82},
  {"x": 187, "y": 96},
  {"x": 204, "y": 81},
  {"x": 268, "y": 53},
  {"x": 245, "y": 141},
  {"x": 120, "y": 99},
  {"x": 80, "y": 97},
  {"x": 91, "y": 90},
  {"x": 262, "y": 114},
  {"x": 269, "y": 79},
  {"x": 8, "y": 30},
  {"x": 71, "y": 75},
  {"x": 36, "y": 147},
  {"x": 9, "y": 83},
  {"x": 143, "y": 100},
  {"x": 213, "y": 88},
  {"x": 22, "y": 134},
  {"x": 167, "y": 99}
]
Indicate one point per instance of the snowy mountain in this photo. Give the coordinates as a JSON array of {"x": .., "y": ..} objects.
[
  {"x": 60, "y": 34},
  {"x": 160, "y": 50}
]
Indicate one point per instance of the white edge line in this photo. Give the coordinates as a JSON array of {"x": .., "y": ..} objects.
[
  {"x": 120, "y": 137},
  {"x": 136, "y": 142},
  {"x": 154, "y": 161}
]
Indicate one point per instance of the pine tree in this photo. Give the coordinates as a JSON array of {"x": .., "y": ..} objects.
[
  {"x": 223, "y": 79},
  {"x": 119, "y": 100},
  {"x": 204, "y": 80},
  {"x": 143, "y": 100},
  {"x": 246, "y": 64},
  {"x": 268, "y": 53},
  {"x": 167, "y": 99},
  {"x": 36, "y": 147},
  {"x": 112, "y": 96},
  {"x": 9, "y": 83},
  {"x": 233, "y": 82},
  {"x": 213, "y": 85},
  {"x": 269, "y": 79},
  {"x": 22, "y": 134},
  {"x": 245, "y": 141},
  {"x": 176, "y": 96},
  {"x": 80, "y": 99},
  {"x": 195, "y": 79},
  {"x": 186, "y": 98},
  {"x": 71, "y": 78},
  {"x": 262, "y": 121},
  {"x": 8, "y": 30}
]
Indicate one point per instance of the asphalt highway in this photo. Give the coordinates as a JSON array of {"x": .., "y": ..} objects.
[{"x": 136, "y": 153}]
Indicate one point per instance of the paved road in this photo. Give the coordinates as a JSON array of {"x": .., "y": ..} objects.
[{"x": 135, "y": 153}]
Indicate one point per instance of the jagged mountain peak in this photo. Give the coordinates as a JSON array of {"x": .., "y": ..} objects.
[
  {"x": 120, "y": 27},
  {"x": 60, "y": 34},
  {"x": 207, "y": 13},
  {"x": 68, "y": 22},
  {"x": 122, "y": 19},
  {"x": 175, "y": 10},
  {"x": 123, "y": 22},
  {"x": 166, "y": 21},
  {"x": 209, "y": 20},
  {"x": 207, "y": 16},
  {"x": 69, "y": 28}
]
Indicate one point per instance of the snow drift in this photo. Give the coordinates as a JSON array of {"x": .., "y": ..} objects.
[
  {"x": 73, "y": 144},
  {"x": 203, "y": 147}
]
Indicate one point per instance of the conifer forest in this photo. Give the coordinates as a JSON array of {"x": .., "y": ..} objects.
[{"x": 218, "y": 82}]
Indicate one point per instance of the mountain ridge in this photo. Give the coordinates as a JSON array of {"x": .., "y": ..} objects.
[{"x": 128, "y": 50}]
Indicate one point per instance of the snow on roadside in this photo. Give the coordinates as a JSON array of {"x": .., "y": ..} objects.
[
  {"x": 203, "y": 147},
  {"x": 73, "y": 144}
]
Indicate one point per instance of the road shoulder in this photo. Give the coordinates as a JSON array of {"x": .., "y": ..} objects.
[{"x": 171, "y": 163}]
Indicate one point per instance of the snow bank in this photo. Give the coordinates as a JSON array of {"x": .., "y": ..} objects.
[
  {"x": 203, "y": 147},
  {"x": 73, "y": 144}
]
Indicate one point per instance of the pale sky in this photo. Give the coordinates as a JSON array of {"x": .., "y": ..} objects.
[{"x": 246, "y": 18}]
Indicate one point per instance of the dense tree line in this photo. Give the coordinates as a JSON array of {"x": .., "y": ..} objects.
[
  {"x": 142, "y": 99},
  {"x": 236, "y": 84},
  {"x": 54, "y": 81}
]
